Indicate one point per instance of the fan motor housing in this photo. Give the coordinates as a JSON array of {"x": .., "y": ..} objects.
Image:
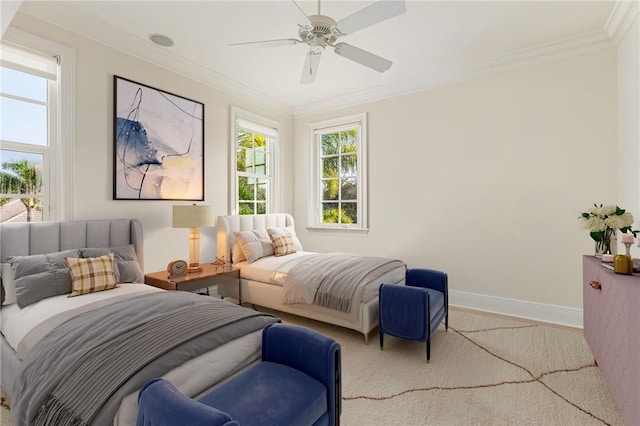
[{"x": 320, "y": 27}]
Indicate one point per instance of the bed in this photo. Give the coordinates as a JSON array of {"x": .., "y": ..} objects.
[
  {"x": 87, "y": 356},
  {"x": 263, "y": 281}
]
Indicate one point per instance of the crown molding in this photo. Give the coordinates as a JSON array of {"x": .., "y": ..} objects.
[
  {"x": 70, "y": 19},
  {"x": 621, "y": 19},
  {"x": 519, "y": 59}
]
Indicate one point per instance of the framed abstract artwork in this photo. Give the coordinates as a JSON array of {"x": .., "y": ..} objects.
[{"x": 158, "y": 144}]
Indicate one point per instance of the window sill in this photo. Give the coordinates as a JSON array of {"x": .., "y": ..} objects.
[{"x": 337, "y": 230}]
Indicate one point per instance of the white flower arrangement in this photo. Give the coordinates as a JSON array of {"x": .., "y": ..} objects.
[{"x": 602, "y": 222}]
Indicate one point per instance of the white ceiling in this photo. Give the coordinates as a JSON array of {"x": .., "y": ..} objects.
[{"x": 432, "y": 43}]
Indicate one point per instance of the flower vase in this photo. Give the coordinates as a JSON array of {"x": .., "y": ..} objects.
[{"x": 607, "y": 245}]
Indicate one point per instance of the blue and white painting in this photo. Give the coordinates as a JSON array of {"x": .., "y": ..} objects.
[{"x": 158, "y": 144}]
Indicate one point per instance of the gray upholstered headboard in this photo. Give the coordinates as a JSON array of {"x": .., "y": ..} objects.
[
  {"x": 227, "y": 225},
  {"x": 23, "y": 239}
]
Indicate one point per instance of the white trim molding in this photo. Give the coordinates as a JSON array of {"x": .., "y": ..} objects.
[
  {"x": 622, "y": 17},
  {"x": 543, "y": 312}
]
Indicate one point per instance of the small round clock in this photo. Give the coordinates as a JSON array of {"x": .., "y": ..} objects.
[{"x": 177, "y": 267}]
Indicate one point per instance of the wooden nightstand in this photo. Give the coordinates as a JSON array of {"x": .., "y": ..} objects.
[{"x": 210, "y": 276}]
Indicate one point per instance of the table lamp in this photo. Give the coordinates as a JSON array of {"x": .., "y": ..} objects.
[{"x": 193, "y": 217}]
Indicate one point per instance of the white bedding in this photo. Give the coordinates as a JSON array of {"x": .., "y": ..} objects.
[
  {"x": 17, "y": 324},
  {"x": 274, "y": 269},
  {"x": 193, "y": 377}
]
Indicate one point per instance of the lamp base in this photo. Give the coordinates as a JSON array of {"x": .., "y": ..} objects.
[{"x": 194, "y": 267}]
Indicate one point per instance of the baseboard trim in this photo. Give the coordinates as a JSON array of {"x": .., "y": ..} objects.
[{"x": 543, "y": 312}]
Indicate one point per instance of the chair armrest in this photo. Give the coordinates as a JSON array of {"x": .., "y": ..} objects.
[
  {"x": 428, "y": 278},
  {"x": 160, "y": 403},
  {"x": 310, "y": 352}
]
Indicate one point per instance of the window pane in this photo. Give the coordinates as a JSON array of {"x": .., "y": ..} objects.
[
  {"x": 15, "y": 210},
  {"x": 23, "y": 122},
  {"x": 22, "y": 84},
  {"x": 348, "y": 141},
  {"x": 262, "y": 190},
  {"x": 245, "y": 189},
  {"x": 20, "y": 172},
  {"x": 261, "y": 208},
  {"x": 330, "y": 213},
  {"x": 349, "y": 165},
  {"x": 330, "y": 167},
  {"x": 246, "y": 208},
  {"x": 241, "y": 160},
  {"x": 330, "y": 189},
  {"x": 261, "y": 162},
  {"x": 349, "y": 189},
  {"x": 349, "y": 213}
]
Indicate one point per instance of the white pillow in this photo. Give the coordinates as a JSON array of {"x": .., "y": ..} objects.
[
  {"x": 8, "y": 284},
  {"x": 287, "y": 230},
  {"x": 254, "y": 244}
]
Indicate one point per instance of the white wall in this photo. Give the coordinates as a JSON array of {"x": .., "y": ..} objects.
[
  {"x": 485, "y": 179},
  {"x": 629, "y": 126},
  {"x": 95, "y": 66}
]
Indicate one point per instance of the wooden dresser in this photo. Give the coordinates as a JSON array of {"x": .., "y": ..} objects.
[{"x": 611, "y": 304}]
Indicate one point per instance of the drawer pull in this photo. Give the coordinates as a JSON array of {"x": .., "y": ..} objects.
[{"x": 595, "y": 285}]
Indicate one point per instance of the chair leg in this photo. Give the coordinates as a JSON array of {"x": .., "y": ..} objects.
[
  {"x": 446, "y": 321},
  {"x": 381, "y": 340},
  {"x": 428, "y": 348}
]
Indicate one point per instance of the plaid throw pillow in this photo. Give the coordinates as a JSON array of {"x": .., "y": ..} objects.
[
  {"x": 283, "y": 244},
  {"x": 92, "y": 274}
]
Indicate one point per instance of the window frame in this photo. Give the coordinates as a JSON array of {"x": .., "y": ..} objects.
[
  {"x": 59, "y": 170},
  {"x": 273, "y": 202},
  {"x": 316, "y": 131}
]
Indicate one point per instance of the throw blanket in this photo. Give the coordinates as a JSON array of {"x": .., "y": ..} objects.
[
  {"x": 79, "y": 372},
  {"x": 331, "y": 279}
]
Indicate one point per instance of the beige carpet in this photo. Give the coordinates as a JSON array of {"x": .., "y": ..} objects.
[{"x": 485, "y": 370}]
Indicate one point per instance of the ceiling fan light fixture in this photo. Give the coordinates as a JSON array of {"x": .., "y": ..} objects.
[{"x": 161, "y": 40}]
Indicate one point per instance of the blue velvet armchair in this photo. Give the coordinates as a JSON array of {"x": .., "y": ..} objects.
[
  {"x": 298, "y": 382},
  {"x": 415, "y": 310}
]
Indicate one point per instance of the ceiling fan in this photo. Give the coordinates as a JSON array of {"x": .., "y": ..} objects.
[{"x": 319, "y": 31}]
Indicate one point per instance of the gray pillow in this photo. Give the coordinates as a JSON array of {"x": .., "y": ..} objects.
[
  {"x": 127, "y": 266},
  {"x": 40, "y": 276}
]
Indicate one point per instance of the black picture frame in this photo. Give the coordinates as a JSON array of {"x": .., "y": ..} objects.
[{"x": 158, "y": 144}]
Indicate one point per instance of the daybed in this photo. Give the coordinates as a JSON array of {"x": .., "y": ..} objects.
[
  {"x": 262, "y": 282},
  {"x": 87, "y": 356}
]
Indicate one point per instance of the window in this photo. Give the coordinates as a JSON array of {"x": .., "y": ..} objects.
[
  {"x": 254, "y": 146},
  {"x": 339, "y": 193},
  {"x": 31, "y": 182}
]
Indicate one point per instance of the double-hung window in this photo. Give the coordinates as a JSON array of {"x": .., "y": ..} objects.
[
  {"x": 339, "y": 191},
  {"x": 254, "y": 147},
  {"x": 29, "y": 135}
]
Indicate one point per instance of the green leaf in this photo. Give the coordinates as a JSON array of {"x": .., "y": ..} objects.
[
  {"x": 585, "y": 215},
  {"x": 619, "y": 211},
  {"x": 597, "y": 236}
]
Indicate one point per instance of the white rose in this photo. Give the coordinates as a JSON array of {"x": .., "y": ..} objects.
[
  {"x": 594, "y": 224},
  {"x": 627, "y": 219},
  {"x": 606, "y": 210},
  {"x": 615, "y": 222}
]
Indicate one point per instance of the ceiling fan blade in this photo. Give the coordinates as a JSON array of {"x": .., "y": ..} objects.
[
  {"x": 310, "y": 69},
  {"x": 292, "y": 10},
  {"x": 363, "y": 57},
  {"x": 270, "y": 43},
  {"x": 377, "y": 12}
]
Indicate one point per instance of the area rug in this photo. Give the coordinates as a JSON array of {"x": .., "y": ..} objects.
[{"x": 485, "y": 370}]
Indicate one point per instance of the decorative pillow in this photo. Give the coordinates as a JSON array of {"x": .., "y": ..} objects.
[
  {"x": 127, "y": 268},
  {"x": 236, "y": 253},
  {"x": 283, "y": 244},
  {"x": 92, "y": 274},
  {"x": 8, "y": 286},
  {"x": 287, "y": 230},
  {"x": 254, "y": 244},
  {"x": 39, "y": 276}
]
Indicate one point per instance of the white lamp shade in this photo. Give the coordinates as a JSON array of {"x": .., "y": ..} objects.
[{"x": 193, "y": 216}]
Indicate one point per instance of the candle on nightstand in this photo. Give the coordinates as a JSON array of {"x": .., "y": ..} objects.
[
  {"x": 627, "y": 238},
  {"x": 607, "y": 258}
]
